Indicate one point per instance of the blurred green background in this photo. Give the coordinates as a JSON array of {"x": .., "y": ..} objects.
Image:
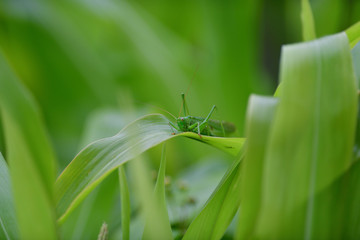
[
  {"x": 92, "y": 64},
  {"x": 80, "y": 56}
]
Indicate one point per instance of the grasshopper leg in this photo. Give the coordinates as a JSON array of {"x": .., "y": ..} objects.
[
  {"x": 203, "y": 124},
  {"x": 198, "y": 127},
  {"x": 193, "y": 126},
  {"x": 172, "y": 126},
  {"x": 222, "y": 128},
  {"x": 210, "y": 113}
]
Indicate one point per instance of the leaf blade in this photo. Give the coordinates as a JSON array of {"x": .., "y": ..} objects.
[
  {"x": 8, "y": 222},
  {"x": 302, "y": 131},
  {"x": 307, "y": 20},
  {"x": 260, "y": 114},
  {"x": 31, "y": 158},
  {"x": 125, "y": 204},
  {"x": 219, "y": 210},
  {"x": 100, "y": 158}
]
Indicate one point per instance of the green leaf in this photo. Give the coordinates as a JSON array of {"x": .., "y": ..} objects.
[
  {"x": 353, "y": 34},
  {"x": 215, "y": 217},
  {"x": 348, "y": 206},
  {"x": 8, "y": 223},
  {"x": 125, "y": 204},
  {"x": 160, "y": 217},
  {"x": 260, "y": 113},
  {"x": 312, "y": 136},
  {"x": 100, "y": 158},
  {"x": 355, "y": 52},
  {"x": 98, "y": 206},
  {"x": 307, "y": 20},
  {"x": 229, "y": 145},
  {"x": 31, "y": 158}
]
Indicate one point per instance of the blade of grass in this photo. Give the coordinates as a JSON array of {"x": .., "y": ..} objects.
[
  {"x": 350, "y": 221},
  {"x": 8, "y": 223},
  {"x": 355, "y": 52},
  {"x": 337, "y": 213},
  {"x": 353, "y": 34},
  {"x": 311, "y": 138},
  {"x": 220, "y": 209},
  {"x": 2, "y": 140},
  {"x": 159, "y": 207},
  {"x": 31, "y": 158},
  {"x": 99, "y": 205},
  {"x": 307, "y": 21},
  {"x": 125, "y": 204},
  {"x": 143, "y": 187},
  {"x": 100, "y": 158},
  {"x": 260, "y": 113}
]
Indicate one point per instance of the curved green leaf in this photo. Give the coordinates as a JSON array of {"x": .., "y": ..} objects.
[
  {"x": 312, "y": 136},
  {"x": 30, "y": 156},
  {"x": 98, "y": 207},
  {"x": 100, "y": 158}
]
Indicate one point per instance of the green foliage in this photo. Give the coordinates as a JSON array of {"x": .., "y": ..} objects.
[
  {"x": 125, "y": 204},
  {"x": 99, "y": 159},
  {"x": 157, "y": 225},
  {"x": 261, "y": 111},
  {"x": 353, "y": 34},
  {"x": 63, "y": 64},
  {"x": 213, "y": 220},
  {"x": 8, "y": 223},
  {"x": 307, "y": 21},
  {"x": 316, "y": 132},
  {"x": 30, "y": 156}
]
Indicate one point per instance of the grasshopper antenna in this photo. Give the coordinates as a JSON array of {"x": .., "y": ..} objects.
[
  {"x": 152, "y": 105},
  {"x": 183, "y": 95}
]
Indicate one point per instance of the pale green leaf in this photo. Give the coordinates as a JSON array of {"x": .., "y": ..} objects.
[
  {"x": 8, "y": 223},
  {"x": 125, "y": 204},
  {"x": 220, "y": 209},
  {"x": 260, "y": 113},
  {"x": 349, "y": 221},
  {"x": 312, "y": 136},
  {"x": 99, "y": 205},
  {"x": 353, "y": 34},
  {"x": 159, "y": 219},
  {"x": 355, "y": 52},
  {"x": 30, "y": 156},
  {"x": 307, "y": 20},
  {"x": 100, "y": 158}
]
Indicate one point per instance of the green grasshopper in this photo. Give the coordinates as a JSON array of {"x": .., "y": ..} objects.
[{"x": 200, "y": 125}]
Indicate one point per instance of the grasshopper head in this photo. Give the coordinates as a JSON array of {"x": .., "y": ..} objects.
[{"x": 182, "y": 123}]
